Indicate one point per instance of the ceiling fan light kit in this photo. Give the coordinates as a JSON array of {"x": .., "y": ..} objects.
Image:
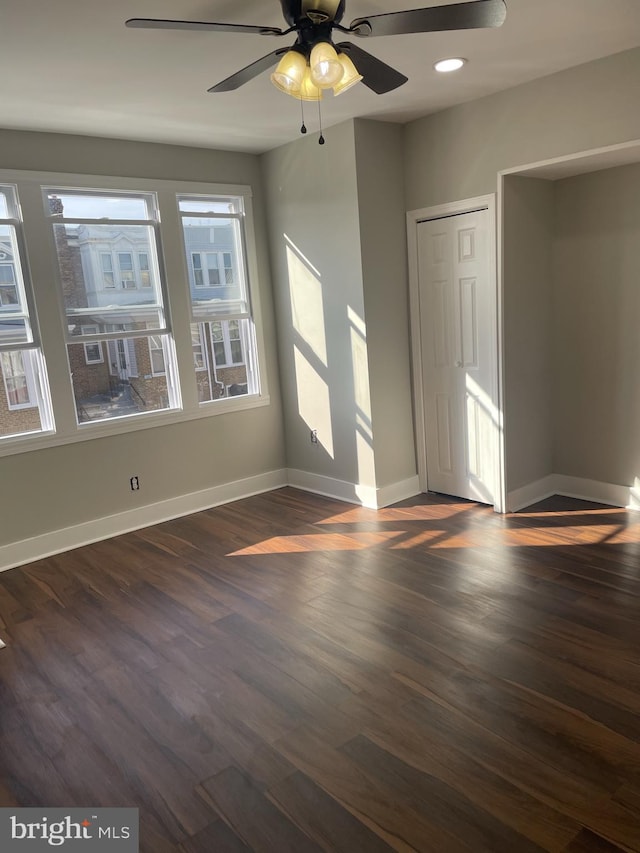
[
  {"x": 350, "y": 75},
  {"x": 308, "y": 90},
  {"x": 314, "y": 63},
  {"x": 290, "y": 72},
  {"x": 326, "y": 69}
]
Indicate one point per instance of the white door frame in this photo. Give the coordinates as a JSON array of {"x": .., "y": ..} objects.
[{"x": 414, "y": 217}]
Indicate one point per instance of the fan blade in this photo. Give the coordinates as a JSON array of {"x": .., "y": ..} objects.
[
  {"x": 161, "y": 24},
  {"x": 248, "y": 72},
  {"x": 376, "y": 74},
  {"x": 459, "y": 16}
]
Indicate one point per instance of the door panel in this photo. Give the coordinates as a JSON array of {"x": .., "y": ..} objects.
[{"x": 457, "y": 324}]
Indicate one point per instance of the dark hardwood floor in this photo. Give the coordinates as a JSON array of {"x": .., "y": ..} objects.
[{"x": 289, "y": 673}]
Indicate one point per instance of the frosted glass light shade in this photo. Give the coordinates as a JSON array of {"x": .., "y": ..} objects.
[
  {"x": 326, "y": 68},
  {"x": 308, "y": 89},
  {"x": 289, "y": 73},
  {"x": 350, "y": 75}
]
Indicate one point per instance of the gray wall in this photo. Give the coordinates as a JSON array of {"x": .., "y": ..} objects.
[
  {"x": 456, "y": 154},
  {"x": 597, "y": 326},
  {"x": 342, "y": 206},
  {"x": 528, "y": 215},
  {"x": 50, "y": 489},
  {"x": 317, "y": 276},
  {"x": 384, "y": 268}
]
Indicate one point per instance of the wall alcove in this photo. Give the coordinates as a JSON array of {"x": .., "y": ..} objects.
[{"x": 570, "y": 314}]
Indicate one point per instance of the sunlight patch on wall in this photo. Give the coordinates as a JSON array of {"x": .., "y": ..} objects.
[
  {"x": 362, "y": 420},
  {"x": 307, "y": 310},
  {"x": 314, "y": 404}
]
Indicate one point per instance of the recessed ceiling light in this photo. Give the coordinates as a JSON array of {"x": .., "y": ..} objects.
[{"x": 453, "y": 64}]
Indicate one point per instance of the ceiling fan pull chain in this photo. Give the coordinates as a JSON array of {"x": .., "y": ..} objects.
[
  {"x": 303, "y": 129},
  {"x": 321, "y": 140}
]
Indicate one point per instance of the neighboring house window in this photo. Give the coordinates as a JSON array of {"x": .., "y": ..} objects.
[
  {"x": 121, "y": 323},
  {"x": 228, "y": 268},
  {"x": 198, "y": 346},
  {"x": 156, "y": 354},
  {"x": 24, "y": 383},
  {"x": 15, "y": 380},
  {"x": 230, "y": 335},
  {"x": 127, "y": 274},
  {"x": 145, "y": 272},
  {"x": 206, "y": 272},
  {"x": 212, "y": 269},
  {"x": 8, "y": 288},
  {"x": 92, "y": 349},
  {"x": 106, "y": 261},
  {"x": 227, "y": 342}
]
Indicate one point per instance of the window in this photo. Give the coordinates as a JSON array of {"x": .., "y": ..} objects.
[
  {"x": 92, "y": 349},
  {"x": 227, "y": 342},
  {"x": 198, "y": 346},
  {"x": 127, "y": 274},
  {"x": 108, "y": 279},
  {"x": 156, "y": 354},
  {"x": 15, "y": 379},
  {"x": 212, "y": 269},
  {"x": 8, "y": 287},
  {"x": 145, "y": 272},
  {"x": 105, "y": 269},
  {"x": 222, "y": 331},
  {"x": 128, "y": 324},
  {"x": 206, "y": 269},
  {"x": 228, "y": 267},
  {"x": 24, "y": 398}
]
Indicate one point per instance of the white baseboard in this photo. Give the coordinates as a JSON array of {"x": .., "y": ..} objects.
[
  {"x": 573, "y": 487},
  {"x": 368, "y": 496},
  {"x": 395, "y": 492},
  {"x": 47, "y": 544},
  {"x": 531, "y": 493},
  {"x": 332, "y": 488}
]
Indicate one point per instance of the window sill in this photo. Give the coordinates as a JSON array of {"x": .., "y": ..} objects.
[{"x": 103, "y": 429}]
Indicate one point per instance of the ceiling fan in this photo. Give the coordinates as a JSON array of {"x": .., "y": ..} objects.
[{"x": 314, "y": 62}]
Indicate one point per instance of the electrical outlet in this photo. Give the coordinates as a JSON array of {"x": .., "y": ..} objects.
[
  {"x": 314, "y": 436},
  {"x": 134, "y": 482}
]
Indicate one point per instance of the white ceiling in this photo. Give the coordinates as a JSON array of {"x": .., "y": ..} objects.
[{"x": 72, "y": 66}]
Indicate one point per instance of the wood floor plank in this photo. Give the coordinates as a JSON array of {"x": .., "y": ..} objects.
[
  {"x": 322, "y": 818},
  {"x": 253, "y": 818},
  {"x": 438, "y": 802},
  {"x": 288, "y": 672}
]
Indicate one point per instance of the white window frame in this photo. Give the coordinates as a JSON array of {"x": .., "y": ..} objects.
[
  {"x": 35, "y": 371},
  {"x": 171, "y": 253},
  {"x": 243, "y": 307}
]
